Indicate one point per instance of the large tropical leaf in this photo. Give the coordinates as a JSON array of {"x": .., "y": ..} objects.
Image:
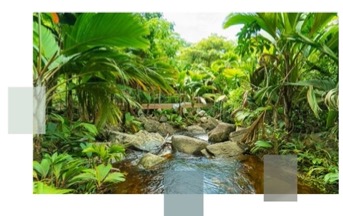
[
  {"x": 319, "y": 46},
  {"x": 331, "y": 118},
  {"x": 102, "y": 172},
  {"x": 115, "y": 177},
  {"x": 44, "y": 42},
  {"x": 106, "y": 29},
  {"x": 42, "y": 188},
  {"x": 312, "y": 101},
  {"x": 331, "y": 177},
  {"x": 239, "y": 18},
  {"x": 261, "y": 145},
  {"x": 266, "y": 21},
  {"x": 316, "y": 22},
  {"x": 42, "y": 168},
  {"x": 324, "y": 85}
]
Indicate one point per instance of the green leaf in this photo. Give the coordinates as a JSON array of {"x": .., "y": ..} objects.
[
  {"x": 48, "y": 45},
  {"x": 89, "y": 127},
  {"x": 115, "y": 177},
  {"x": 260, "y": 145},
  {"x": 85, "y": 146},
  {"x": 241, "y": 115},
  {"x": 89, "y": 175},
  {"x": 312, "y": 101},
  {"x": 101, "y": 172},
  {"x": 42, "y": 168},
  {"x": 318, "y": 84},
  {"x": 221, "y": 98},
  {"x": 331, "y": 178},
  {"x": 331, "y": 118},
  {"x": 106, "y": 29},
  {"x": 42, "y": 188},
  {"x": 237, "y": 18},
  {"x": 116, "y": 149}
]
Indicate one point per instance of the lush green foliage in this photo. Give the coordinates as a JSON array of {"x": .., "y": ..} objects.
[{"x": 280, "y": 80}]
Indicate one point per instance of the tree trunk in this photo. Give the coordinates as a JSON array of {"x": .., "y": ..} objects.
[
  {"x": 287, "y": 105},
  {"x": 69, "y": 99},
  {"x": 37, "y": 147}
]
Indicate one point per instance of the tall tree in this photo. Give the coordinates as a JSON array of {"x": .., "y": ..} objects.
[{"x": 286, "y": 43}]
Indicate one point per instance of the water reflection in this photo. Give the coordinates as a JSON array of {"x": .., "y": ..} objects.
[{"x": 221, "y": 176}]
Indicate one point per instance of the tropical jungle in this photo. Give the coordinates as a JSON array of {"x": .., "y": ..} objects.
[{"x": 127, "y": 99}]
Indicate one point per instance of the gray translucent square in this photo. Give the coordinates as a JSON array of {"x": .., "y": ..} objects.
[
  {"x": 39, "y": 110},
  {"x": 280, "y": 178},
  {"x": 26, "y": 110},
  {"x": 183, "y": 193},
  {"x": 183, "y": 205},
  {"x": 20, "y": 110},
  {"x": 280, "y": 197}
]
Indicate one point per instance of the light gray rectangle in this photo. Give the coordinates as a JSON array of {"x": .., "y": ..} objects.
[
  {"x": 280, "y": 178},
  {"x": 20, "y": 109},
  {"x": 183, "y": 193},
  {"x": 183, "y": 205},
  {"x": 280, "y": 197}
]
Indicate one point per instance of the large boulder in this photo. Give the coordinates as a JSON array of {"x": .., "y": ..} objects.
[
  {"x": 151, "y": 142},
  {"x": 221, "y": 132},
  {"x": 142, "y": 140},
  {"x": 149, "y": 161},
  {"x": 208, "y": 123},
  {"x": 224, "y": 149},
  {"x": 237, "y": 135},
  {"x": 195, "y": 129},
  {"x": 187, "y": 144},
  {"x": 165, "y": 129},
  {"x": 150, "y": 125}
]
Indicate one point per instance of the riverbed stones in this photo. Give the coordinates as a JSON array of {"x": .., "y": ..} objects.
[
  {"x": 142, "y": 140},
  {"x": 205, "y": 153},
  {"x": 149, "y": 160},
  {"x": 237, "y": 135},
  {"x": 224, "y": 149},
  {"x": 145, "y": 141},
  {"x": 221, "y": 132},
  {"x": 208, "y": 123},
  {"x": 165, "y": 129},
  {"x": 187, "y": 144},
  {"x": 152, "y": 125},
  {"x": 195, "y": 129},
  {"x": 163, "y": 118}
]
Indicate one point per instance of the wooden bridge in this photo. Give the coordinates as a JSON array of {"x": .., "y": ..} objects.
[{"x": 173, "y": 105}]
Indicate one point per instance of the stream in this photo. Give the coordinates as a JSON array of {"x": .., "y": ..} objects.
[{"x": 236, "y": 175}]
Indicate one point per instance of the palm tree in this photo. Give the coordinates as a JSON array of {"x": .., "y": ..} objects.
[{"x": 90, "y": 60}]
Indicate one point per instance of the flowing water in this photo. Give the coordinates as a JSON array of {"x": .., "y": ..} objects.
[{"x": 236, "y": 175}]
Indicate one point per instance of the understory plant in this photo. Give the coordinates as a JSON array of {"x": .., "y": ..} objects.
[
  {"x": 62, "y": 173},
  {"x": 317, "y": 161}
]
